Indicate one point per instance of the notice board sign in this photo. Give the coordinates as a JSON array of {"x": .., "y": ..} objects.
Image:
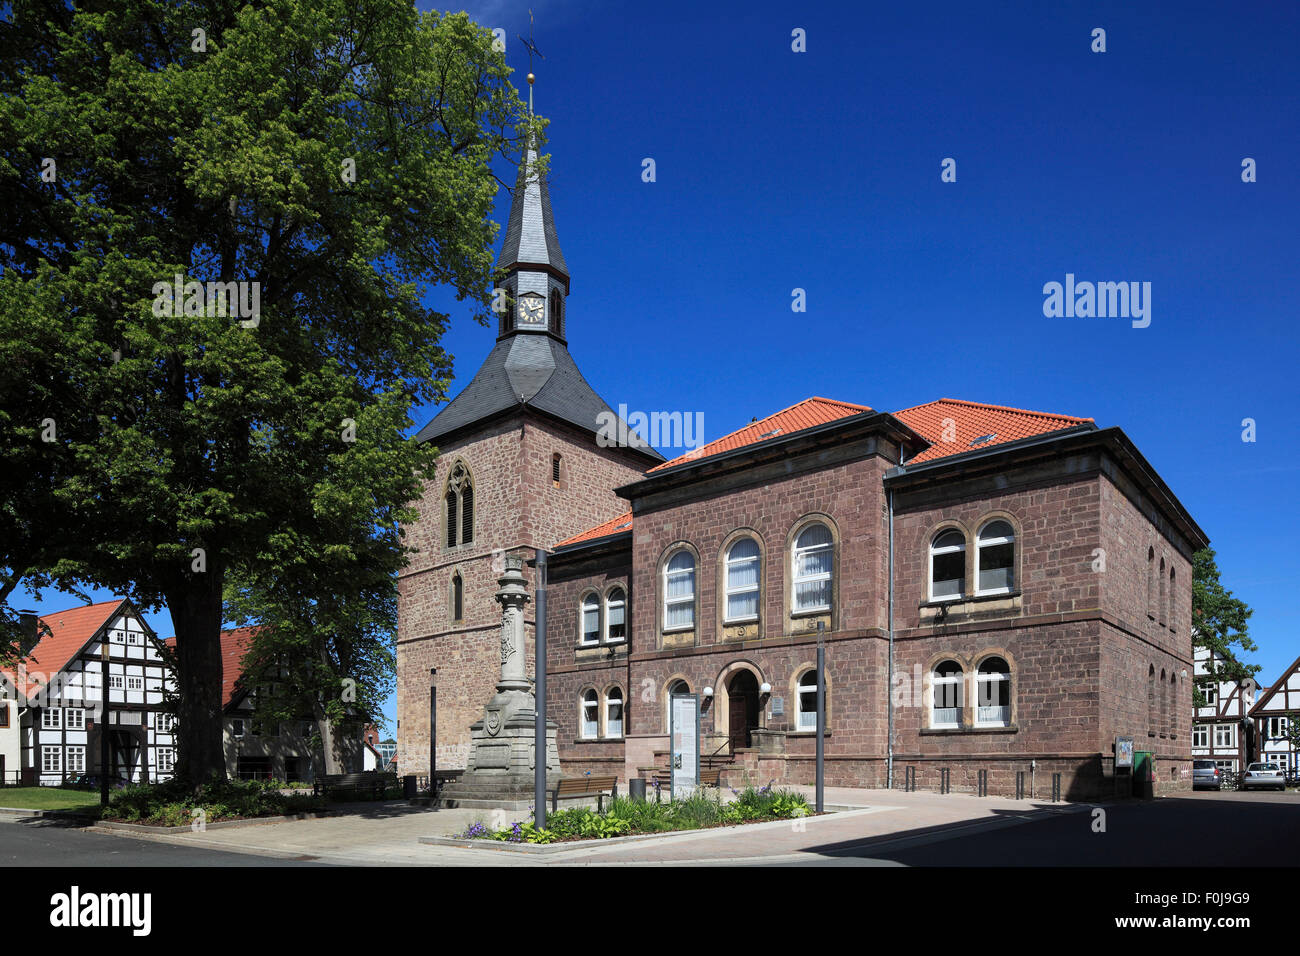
[
  {"x": 685, "y": 756},
  {"x": 1123, "y": 753}
]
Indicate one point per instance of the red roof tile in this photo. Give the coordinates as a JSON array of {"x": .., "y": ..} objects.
[
  {"x": 68, "y": 633},
  {"x": 806, "y": 414},
  {"x": 951, "y": 425},
  {"x": 613, "y": 526}
]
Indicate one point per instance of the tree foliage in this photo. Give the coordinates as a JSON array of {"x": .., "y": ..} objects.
[
  {"x": 1218, "y": 623},
  {"x": 142, "y": 140}
]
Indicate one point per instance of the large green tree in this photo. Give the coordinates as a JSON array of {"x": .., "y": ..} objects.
[
  {"x": 332, "y": 155},
  {"x": 1218, "y": 623}
]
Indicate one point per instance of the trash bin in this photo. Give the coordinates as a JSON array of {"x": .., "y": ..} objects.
[
  {"x": 636, "y": 789},
  {"x": 410, "y": 787},
  {"x": 1144, "y": 769}
]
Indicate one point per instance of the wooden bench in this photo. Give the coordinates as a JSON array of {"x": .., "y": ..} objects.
[
  {"x": 368, "y": 781},
  {"x": 588, "y": 786},
  {"x": 708, "y": 778}
]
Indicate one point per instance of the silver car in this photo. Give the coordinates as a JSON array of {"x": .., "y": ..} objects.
[
  {"x": 1206, "y": 776},
  {"x": 1263, "y": 776}
]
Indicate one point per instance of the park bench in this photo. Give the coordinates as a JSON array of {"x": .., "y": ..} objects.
[
  {"x": 587, "y": 786},
  {"x": 365, "y": 782},
  {"x": 663, "y": 778}
]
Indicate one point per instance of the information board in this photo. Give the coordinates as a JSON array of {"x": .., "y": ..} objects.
[
  {"x": 1123, "y": 753},
  {"x": 685, "y": 756}
]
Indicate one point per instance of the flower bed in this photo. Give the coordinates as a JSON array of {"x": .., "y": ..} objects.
[
  {"x": 172, "y": 804},
  {"x": 625, "y": 817}
]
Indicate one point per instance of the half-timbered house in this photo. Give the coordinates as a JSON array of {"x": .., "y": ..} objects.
[
  {"x": 1221, "y": 729},
  {"x": 1277, "y": 709}
]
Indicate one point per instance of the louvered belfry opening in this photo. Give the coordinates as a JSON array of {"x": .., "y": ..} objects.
[{"x": 460, "y": 506}]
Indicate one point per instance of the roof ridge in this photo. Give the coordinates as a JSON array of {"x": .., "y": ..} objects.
[{"x": 1001, "y": 408}]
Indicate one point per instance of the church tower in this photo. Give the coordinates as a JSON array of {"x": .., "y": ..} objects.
[{"x": 525, "y": 461}]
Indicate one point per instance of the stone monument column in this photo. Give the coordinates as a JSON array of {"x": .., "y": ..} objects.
[{"x": 500, "y": 768}]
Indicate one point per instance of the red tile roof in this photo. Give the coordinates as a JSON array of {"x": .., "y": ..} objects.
[
  {"x": 68, "y": 633},
  {"x": 806, "y": 414},
  {"x": 962, "y": 422},
  {"x": 613, "y": 526},
  {"x": 959, "y": 421}
]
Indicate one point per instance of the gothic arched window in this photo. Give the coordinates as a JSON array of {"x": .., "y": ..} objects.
[{"x": 460, "y": 506}]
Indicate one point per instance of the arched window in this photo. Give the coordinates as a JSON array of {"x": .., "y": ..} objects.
[
  {"x": 1151, "y": 700},
  {"x": 679, "y": 591},
  {"x": 1161, "y": 578},
  {"x": 614, "y": 712},
  {"x": 557, "y": 313},
  {"x": 945, "y": 700},
  {"x": 742, "y": 581},
  {"x": 947, "y": 565},
  {"x": 457, "y": 596},
  {"x": 590, "y": 715},
  {"x": 993, "y": 693},
  {"x": 590, "y": 633},
  {"x": 1173, "y": 598},
  {"x": 1151, "y": 582},
  {"x": 995, "y": 558},
  {"x": 1164, "y": 706},
  {"x": 812, "y": 561},
  {"x": 806, "y": 701},
  {"x": 460, "y": 506},
  {"x": 616, "y": 616}
]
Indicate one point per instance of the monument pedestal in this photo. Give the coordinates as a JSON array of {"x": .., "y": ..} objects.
[{"x": 500, "y": 772}]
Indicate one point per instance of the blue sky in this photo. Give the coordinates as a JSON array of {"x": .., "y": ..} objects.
[{"x": 820, "y": 170}]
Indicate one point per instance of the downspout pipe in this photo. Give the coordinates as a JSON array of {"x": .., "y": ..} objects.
[{"x": 889, "y": 690}]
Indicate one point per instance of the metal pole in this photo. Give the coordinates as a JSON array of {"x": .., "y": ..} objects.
[
  {"x": 539, "y": 689},
  {"x": 103, "y": 717},
  {"x": 433, "y": 735},
  {"x": 821, "y": 719},
  {"x": 889, "y": 689}
]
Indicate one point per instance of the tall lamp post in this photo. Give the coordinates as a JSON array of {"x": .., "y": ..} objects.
[
  {"x": 433, "y": 735},
  {"x": 539, "y": 690},
  {"x": 103, "y": 717},
  {"x": 821, "y": 717}
]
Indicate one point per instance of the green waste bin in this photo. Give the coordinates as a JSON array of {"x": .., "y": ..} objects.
[{"x": 1144, "y": 774}]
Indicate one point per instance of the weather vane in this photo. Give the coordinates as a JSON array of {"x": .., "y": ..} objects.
[{"x": 531, "y": 47}]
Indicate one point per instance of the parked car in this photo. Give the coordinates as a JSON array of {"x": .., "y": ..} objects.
[
  {"x": 90, "y": 781},
  {"x": 1206, "y": 776},
  {"x": 1263, "y": 776}
]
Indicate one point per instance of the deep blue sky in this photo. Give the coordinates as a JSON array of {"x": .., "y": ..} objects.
[{"x": 821, "y": 170}]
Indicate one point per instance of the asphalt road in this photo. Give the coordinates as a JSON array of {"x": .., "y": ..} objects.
[
  {"x": 56, "y": 843},
  {"x": 1249, "y": 830}
]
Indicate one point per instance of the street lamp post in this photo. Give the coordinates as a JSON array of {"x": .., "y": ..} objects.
[
  {"x": 433, "y": 735},
  {"x": 821, "y": 717}
]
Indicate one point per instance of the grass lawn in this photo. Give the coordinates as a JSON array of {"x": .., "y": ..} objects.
[{"x": 48, "y": 798}]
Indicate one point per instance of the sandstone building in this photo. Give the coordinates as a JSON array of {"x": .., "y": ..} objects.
[{"x": 999, "y": 590}]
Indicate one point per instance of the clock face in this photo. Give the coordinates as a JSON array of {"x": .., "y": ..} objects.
[{"x": 532, "y": 310}]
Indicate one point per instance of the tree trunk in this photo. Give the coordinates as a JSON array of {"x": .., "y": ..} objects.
[
  {"x": 331, "y": 761},
  {"x": 195, "y": 605}
]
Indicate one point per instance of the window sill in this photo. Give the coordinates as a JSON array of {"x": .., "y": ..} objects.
[
  {"x": 810, "y": 612},
  {"x": 679, "y": 629},
  {"x": 941, "y": 731},
  {"x": 598, "y": 740}
]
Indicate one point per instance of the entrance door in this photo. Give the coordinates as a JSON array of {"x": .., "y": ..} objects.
[{"x": 742, "y": 709}]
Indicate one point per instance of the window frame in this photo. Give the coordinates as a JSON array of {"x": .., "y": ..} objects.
[
  {"x": 588, "y": 697},
  {"x": 958, "y": 681},
  {"x": 756, "y": 588},
  {"x": 934, "y": 551},
  {"x": 1202, "y": 731},
  {"x": 607, "y": 701},
  {"x": 981, "y": 543},
  {"x": 594, "y": 598},
  {"x": 689, "y": 600},
  {"x": 52, "y": 718},
  {"x": 75, "y": 758},
  {"x": 48, "y": 750},
  {"x": 799, "y": 712},
  {"x": 608, "y": 604},
  {"x": 995, "y": 677},
  {"x": 828, "y": 576},
  {"x": 79, "y": 723},
  {"x": 1231, "y": 734}
]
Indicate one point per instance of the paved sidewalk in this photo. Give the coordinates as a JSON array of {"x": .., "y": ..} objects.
[{"x": 388, "y": 834}]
